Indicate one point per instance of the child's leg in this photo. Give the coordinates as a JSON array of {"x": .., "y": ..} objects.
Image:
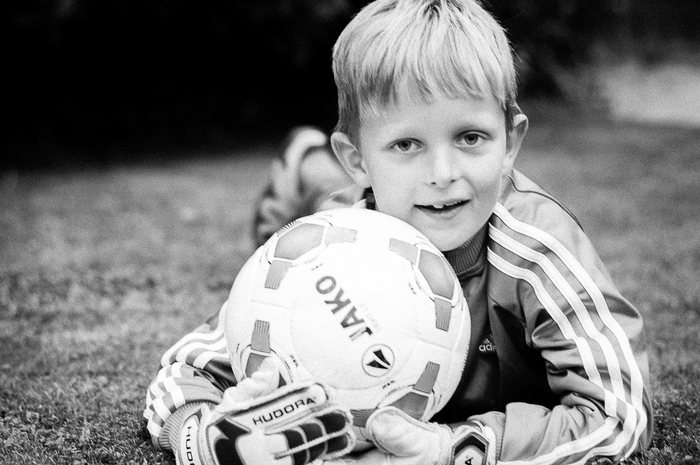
[{"x": 300, "y": 181}]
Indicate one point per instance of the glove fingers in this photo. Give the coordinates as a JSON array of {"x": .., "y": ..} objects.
[
  {"x": 334, "y": 421},
  {"x": 341, "y": 438},
  {"x": 267, "y": 373},
  {"x": 396, "y": 433},
  {"x": 262, "y": 382},
  {"x": 327, "y": 435},
  {"x": 303, "y": 444},
  {"x": 339, "y": 446},
  {"x": 257, "y": 397},
  {"x": 338, "y": 431}
]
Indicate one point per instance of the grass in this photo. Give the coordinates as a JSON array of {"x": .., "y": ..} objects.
[{"x": 102, "y": 269}]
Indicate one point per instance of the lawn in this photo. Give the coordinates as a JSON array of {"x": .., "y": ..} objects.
[{"x": 101, "y": 269}]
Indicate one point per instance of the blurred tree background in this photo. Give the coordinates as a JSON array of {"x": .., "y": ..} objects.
[{"x": 116, "y": 79}]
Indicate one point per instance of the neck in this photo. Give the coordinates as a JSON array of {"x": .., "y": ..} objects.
[{"x": 466, "y": 255}]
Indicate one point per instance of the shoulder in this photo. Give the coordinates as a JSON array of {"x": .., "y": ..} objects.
[
  {"x": 527, "y": 202},
  {"x": 533, "y": 237},
  {"x": 536, "y": 220}
]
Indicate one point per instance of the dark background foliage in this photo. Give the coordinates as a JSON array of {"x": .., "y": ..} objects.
[{"x": 101, "y": 77}]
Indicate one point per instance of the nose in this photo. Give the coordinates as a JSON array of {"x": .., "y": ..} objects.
[{"x": 444, "y": 167}]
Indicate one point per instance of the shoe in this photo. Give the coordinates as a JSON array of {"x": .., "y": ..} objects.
[{"x": 306, "y": 174}]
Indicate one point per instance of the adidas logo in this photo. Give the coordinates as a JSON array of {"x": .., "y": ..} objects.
[
  {"x": 378, "y": 360},
  {"x": 487, "y": 346}
]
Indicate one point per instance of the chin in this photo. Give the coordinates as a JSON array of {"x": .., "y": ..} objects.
[{"x": 445, "y": 244}]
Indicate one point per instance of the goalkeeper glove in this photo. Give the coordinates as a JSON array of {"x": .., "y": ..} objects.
[
  {"x": 402, "y": 440},
  {"x": 293, "y": 425}
]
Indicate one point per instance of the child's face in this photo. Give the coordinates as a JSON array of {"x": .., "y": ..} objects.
[{"x": 438, "y": 166}]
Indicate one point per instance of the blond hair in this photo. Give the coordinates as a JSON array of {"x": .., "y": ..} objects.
[{"x": 450, "y": 48}]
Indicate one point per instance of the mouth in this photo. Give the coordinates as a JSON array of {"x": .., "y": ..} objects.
[{"x": 442, "y": 208}]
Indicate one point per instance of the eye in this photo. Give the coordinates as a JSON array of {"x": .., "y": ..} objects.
[
  {"x": 470, "y": 139},
  {"x": 405, "y": 146}
]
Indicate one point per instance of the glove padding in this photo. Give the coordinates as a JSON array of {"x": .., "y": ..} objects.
[
  {"x": 293, "y": 425},
  {"x": 402, "y": 440}
]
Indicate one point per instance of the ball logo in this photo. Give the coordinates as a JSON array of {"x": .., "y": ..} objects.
[
  {"x": 341, "y": 306},
  {"x": 378, "y": 360}
]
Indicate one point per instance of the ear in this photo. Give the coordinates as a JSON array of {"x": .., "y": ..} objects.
[
  {"x": 351, "y": 159},
  {"x": 514, "y": 141}
]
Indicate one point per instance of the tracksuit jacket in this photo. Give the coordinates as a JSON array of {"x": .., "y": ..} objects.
[{"x": 556, "y": 365}]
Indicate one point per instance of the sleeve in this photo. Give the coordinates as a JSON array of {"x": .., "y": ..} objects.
[
  {"x": 589, "y": 336},
  {"x": 194, "y": 371}
]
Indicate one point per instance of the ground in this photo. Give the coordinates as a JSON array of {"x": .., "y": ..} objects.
[{"x": 102, "y": 269}]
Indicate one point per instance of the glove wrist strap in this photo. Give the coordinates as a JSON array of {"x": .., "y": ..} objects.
[
  {"x": 474, "y": 444},
  {"x": 188, "y": 448}
]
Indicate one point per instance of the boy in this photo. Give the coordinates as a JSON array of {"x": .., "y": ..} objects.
[{"x": 428, "y": 132}]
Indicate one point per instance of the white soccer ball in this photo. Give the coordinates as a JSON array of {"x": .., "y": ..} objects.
[{"x": 360, "y": 301}]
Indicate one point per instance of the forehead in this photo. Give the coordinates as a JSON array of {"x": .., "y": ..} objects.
[
  {"x": 410, "y": 107},
  {"x": 409, "y": 90}
]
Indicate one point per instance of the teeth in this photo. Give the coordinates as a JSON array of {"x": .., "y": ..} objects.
[{"x": 443, "y": 206}]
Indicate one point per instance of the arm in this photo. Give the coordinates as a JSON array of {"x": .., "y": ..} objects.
[
  {"x": 589, "y": 337},
  {"x": 197, "y": 409},
  {"x": 194, "y": 371}
]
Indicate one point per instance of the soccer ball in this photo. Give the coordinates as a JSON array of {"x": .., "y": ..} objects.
[{"x": 360, "y": 301}]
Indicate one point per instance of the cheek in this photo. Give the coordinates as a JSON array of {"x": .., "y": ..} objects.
[
  {"x": 389, "y": 200},
  {"x": 494, "y": 167},
  {"x": 487, "y": 181},
  {"x": 388, "y": 180}
]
